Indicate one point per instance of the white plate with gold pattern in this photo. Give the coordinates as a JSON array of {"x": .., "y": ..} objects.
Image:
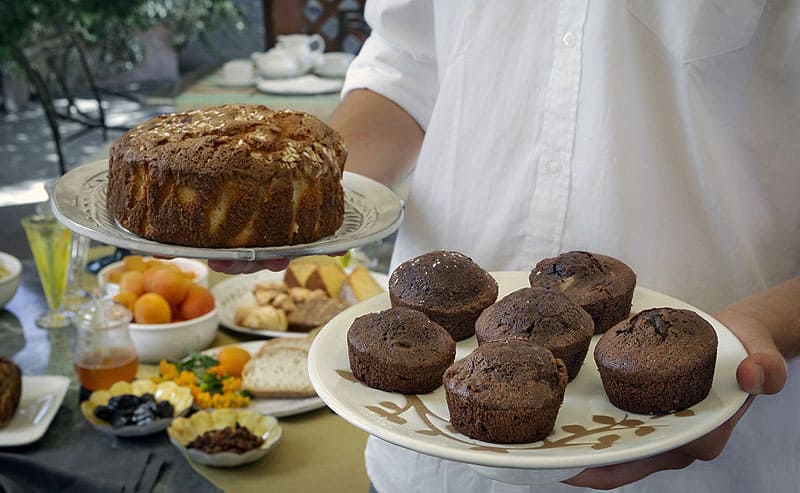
[
  {"x": 371, "y": 212},
  {"x": 589, "y": 430}
]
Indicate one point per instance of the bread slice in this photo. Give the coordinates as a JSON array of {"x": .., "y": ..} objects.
[
  {"x": 279, "y": 371},
  {"x": 363, "y": 284},
  {"x": 295, "y": 342}
]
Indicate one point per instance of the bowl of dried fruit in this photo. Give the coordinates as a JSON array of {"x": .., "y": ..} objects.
[
  {"x": 225, "y": 437},
  {"x": 135, "y": 409},
  {"x": 173, "y": 311}
]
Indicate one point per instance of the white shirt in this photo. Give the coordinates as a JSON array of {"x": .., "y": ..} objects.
[{"x": 666, "y": 134}]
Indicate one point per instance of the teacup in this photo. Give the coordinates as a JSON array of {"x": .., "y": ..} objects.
[
  {"x": 237, "y": 73},
  {"x": 307, "y": 48},
  {"x": 334, "y": 64},
  {"x": 277, "y": 63}
]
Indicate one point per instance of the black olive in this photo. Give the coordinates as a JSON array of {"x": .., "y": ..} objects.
[
  {"x": 147, "y": 397},
  {"x": 103, "y": 412},
  {"x": 118, "y": 420},
  {"x": 123, "y": 401},
  {"x": 164, "y": 409}
]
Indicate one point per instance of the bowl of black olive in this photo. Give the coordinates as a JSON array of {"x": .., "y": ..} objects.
[
  {"x": 138, "y": 408},
  {"x": 225, "y": 437}
]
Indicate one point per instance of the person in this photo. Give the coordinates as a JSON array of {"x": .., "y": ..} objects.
[{"x": 666, "y": 135}]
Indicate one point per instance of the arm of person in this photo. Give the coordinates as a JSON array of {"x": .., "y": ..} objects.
[{"x": 768, "y": 325}]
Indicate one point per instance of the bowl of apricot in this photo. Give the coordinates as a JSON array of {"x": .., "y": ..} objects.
[{"x": 173, "y": 314}]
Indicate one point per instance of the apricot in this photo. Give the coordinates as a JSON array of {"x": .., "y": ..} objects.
[
  {"x": 133, "y": 262},
  {"x": 232, "y": 359},
  {"x": 147, "y": 278},
  {"x": 198, "y": 301},
  {"x": 131, "y": 281},
  {"x": 151, "y": 308},
  {"x": 126, "y": 298},
  {"x": 171, "y": 285}
]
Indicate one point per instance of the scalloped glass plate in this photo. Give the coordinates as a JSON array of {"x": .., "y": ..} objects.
[
  {"x": 235, "y": 290},
  {"x": 371, "y": 212},
  {"x": 180, "y": 397},
  {"x": 589, "y": 430}
]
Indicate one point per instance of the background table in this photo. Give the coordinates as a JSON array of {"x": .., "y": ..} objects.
[{"x": 208, "y": 92}]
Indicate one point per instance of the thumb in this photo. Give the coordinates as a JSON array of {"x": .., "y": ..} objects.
[{"x": 764, "y": 369}]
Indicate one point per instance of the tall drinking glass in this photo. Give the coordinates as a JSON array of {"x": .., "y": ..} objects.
[{"x": 51, "y": 244}]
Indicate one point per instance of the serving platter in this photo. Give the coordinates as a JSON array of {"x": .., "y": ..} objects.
[
  {"x": 589, "y": 430},
  {"x": 235, "y": 290},
  {"x": 371, "y": 212},
  {"x": 278, "y": 407}
]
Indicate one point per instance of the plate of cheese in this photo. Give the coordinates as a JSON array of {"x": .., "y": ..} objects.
[{"x": 290, "y": 303}]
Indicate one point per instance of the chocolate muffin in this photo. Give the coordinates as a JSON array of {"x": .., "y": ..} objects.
[
  {"x": 505, "y": 392},
  {"x": 602, "y": 285},
  {"x": 399, "y": 350},
  {"x": 543, "y": 317},
  {"x": 660, "y": 361},
  {"x": 448, "y": 287}
]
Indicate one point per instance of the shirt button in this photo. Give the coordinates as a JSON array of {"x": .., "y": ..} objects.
[{"x": 569, "y": 39}]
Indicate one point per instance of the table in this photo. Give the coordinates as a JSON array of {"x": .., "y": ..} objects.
[
  {"x": 208, "y": 92},
  {"x": 319, "y": 451}
]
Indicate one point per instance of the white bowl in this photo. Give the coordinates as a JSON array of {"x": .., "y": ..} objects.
[
  {"x": 183, "y": 430},
  {"x": 199, "y": 269},
  {"x": 175, "y": 340},
  {"x": 9, "y": 283}
]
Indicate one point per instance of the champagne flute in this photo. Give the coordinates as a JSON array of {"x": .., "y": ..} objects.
[{"x": 51, "y": 245}]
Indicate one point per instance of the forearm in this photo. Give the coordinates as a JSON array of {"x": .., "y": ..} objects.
[
  {"x": 777, "y": 310},
  {"x": 382, "y": 139}
]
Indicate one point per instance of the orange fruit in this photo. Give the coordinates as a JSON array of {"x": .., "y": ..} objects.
[
  {"x": 151, "y": 308},
  {"x": 126, "y": 298},
  {"x": 233, "y": 359},
  {"x": 147, "y": 278},
  {"x": 131, "y": 281},
  {"x": 133, "y": 262},
  {"x": 198, "y": 301},
  {"x": 171, "y": 285}
]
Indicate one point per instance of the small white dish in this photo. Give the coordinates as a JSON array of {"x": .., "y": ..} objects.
[
  {"x": 40, "y": 400},
  {"x": 179, "y": 396},
  {"x": 10, "y": 282},
  {"x": 174, "y": 340},
  {"x": 334, "y": 64},
  {"x": 183, "y": 430}
]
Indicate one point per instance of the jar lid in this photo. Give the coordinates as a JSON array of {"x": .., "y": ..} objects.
[{"x": 102, "y": 314}]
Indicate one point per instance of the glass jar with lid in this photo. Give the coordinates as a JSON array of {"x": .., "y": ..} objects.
[{"x": 104, "y": 352}]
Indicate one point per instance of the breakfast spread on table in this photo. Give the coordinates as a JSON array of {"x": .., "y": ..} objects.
[
  {"x": 228, "y": 176},
  {"x": 531, "y": 343}
]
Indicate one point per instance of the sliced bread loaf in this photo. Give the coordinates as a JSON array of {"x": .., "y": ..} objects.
[{"x": 279, "y": 371}]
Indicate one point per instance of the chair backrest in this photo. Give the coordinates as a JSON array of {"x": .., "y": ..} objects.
[{"x": 340, "y": 22}]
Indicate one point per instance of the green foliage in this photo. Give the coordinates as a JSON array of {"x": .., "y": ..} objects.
[{"x": 109, "y": 28}]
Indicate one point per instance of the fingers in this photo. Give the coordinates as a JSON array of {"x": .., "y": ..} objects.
[
  {"x": 764, "y": 370},
  {"x": 247, "y": 267},
  {"x": 608, "y": 477}
]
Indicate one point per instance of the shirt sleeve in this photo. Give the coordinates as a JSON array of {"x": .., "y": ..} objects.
[{"x": 398, "y": 59}]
